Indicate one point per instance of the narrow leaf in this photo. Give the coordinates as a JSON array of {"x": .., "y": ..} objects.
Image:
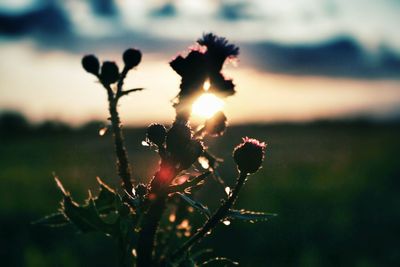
[
  {"x": 61, "y": 187},
  {"x": 195, "y": 204},
  {"x": 220, "y": 260},
  {"x": 85, "y": 218},
  {"x": 53, "y": 220},
  {"x": 251, "y": 216},
  {"x": 108, "y": 200}
]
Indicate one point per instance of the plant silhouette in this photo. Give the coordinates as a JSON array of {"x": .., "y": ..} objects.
[{"x": 132, "y": 215}]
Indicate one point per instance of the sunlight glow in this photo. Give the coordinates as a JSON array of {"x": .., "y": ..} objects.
[
  {"x": 206, "y": 85},
  {"x": 207, "y": 105}
]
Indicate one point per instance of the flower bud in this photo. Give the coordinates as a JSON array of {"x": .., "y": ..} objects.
[
  {"x": 178, "y": 137},
  {"x": 249, "y": 155},
  {"x": 132, "y": 58},
  {"x": 109, "y": 72},
  {"x": 156, "y": 134},
  {"x": 91, "y": 64},
  {"x": 141, "y": 190},
  {"x": 216, "y": 125},
  {"x": 190, "y": 153}
]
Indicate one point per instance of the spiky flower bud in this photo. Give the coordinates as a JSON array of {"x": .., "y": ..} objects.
[
  {"x": 178, "y": 137},
  {"x": 190, "y": 153},
  {"x": 216, "y": 125},
  {"x": 249, "y": 155},
  {"x": 91, "y": 64},
  {"x": 109, "y": 72},
  {"x": 156, "y": 134},
  {"x": 132, "y": 58},
  {"x": 141, "y": 190}
]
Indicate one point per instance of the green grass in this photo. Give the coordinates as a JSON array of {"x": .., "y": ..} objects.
[{"x": 334, "y": 186}]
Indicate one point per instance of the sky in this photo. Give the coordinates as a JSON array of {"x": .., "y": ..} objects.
[{"x": 299, "y": 60}]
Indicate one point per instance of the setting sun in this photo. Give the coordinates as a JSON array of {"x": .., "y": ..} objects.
[{"x": 207, "y": 105}]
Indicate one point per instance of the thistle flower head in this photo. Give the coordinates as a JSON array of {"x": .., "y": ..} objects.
[
  {"x": 205, "y": 64},
  {"x": 218, "y": 49},
  {"x": 156, "y": 134},
  {"x": 249, "y": 155},
  {"x": 190, "y": 153},
  {"x": 178, "y": 136},
  {"x": 193, "y": 71}
]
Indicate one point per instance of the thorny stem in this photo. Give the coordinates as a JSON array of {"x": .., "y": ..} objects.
[
  {"x": 123, "y": 167},
  {"x": 159, "y": 191},
  {"x": 121, "y": 82},
  {"x": 213, "y": 220},
  {"x": 158, "y": 196}
]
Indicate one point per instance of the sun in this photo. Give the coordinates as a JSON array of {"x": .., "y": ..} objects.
[{"x": 207, "y": 105}]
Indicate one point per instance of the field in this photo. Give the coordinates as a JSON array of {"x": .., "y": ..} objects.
[{"x": 335, "y": 187}]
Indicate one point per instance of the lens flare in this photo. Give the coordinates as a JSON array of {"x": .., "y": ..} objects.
[{"x": 207, "y": 105}]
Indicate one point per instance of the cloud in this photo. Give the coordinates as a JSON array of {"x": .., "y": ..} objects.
[
  {"x": 339, "y": 57},
  {"x": 104, "y": 7},
  {"x": 43, "y": 19},
  {"x": 51, "y": 27},
  {"x": 165, "y": 11},
  {"x": 234, "y": 11}
]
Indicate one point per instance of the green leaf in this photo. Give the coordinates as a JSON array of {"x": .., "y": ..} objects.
[
  {"x": 97, "y": 214},
  {"x": 86, "y": 217},
  {"x": 106, "y": 213},
  {"x": 250, "y": 216},
  {"x": 197, "y": 205},
  {"x": 108, "y": 200},
  {"x": 53, "y": 220}
]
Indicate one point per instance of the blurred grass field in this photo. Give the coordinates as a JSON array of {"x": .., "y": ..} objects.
[{"x": 335, "y": 187}]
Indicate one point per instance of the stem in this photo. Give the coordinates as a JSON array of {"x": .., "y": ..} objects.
[
  {"x": 123, "y": 167},
  {"x": 125, "y": 258},
  {"x": 147, "y": 235},
  {"x": 158, "y": 196},
  {"x": 213, "y": 220},
  {"x": 121, "y": 82}
]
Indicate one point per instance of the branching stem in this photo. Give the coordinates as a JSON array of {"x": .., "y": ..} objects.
[
  {"x": 213, "y": 220},
  {"x": 123, "y": 167},
  {"x": 158, "y": 197}
]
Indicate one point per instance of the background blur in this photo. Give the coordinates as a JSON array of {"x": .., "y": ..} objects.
[{"x": 319, "y": 81}]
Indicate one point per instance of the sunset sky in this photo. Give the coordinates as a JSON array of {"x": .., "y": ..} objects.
[{"x": 299, "y": 60}]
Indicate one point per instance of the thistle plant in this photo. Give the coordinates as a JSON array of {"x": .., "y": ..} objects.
[{"x": 142, "y": 218}]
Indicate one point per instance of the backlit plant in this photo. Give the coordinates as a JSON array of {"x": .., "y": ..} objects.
[{"x": 143, "y": 217}]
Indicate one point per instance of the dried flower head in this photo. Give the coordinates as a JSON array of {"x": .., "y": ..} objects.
[
  {"x": 192, "y": 69},
  {"x": 156, "y": 134},
  {"x": 109, "y": 72},
  {"x": 91, "y": 64},
  {"x": 218, "y": 50},
  {"x": 205, "y": 64},
  {"x": 249, "y": 155},
  {"x": 132, "y": 58},
  {"x": 216, "y": 125}
]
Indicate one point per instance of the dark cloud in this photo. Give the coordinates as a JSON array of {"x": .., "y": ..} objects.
[
  {"x": 51, "y": 28},
  {"x": 166, "y": 10},
  {"x": 341, "y": 57},
  {"x": 104, "y": 7},
  {"x": 44, "y": 19},
  {"x": 234, "y": 11}
]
